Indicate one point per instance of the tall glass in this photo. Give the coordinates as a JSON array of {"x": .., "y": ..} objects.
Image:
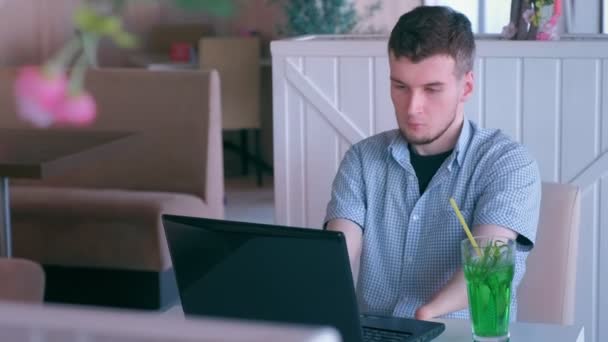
[{"x": 488, "y": 270}]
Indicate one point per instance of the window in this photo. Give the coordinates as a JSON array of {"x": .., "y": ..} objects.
[
  {"x": 486, "y": 16},
  {"x": 489, "y": 16}
]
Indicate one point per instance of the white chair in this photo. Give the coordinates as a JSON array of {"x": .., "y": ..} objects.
[{"x": 547, "y": 291}]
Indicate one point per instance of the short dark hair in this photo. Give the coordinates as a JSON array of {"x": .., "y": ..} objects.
[{"x": 426, "y": 31}]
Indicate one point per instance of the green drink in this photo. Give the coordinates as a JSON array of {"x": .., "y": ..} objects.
[{"x": 488, "y": 270}]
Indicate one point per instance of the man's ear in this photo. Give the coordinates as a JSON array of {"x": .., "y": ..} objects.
[{"x": 468, "y": 86}]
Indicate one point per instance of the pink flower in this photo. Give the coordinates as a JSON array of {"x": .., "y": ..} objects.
[
  {"x": 78, "y": 110},
  {"x": 38, "y": 93},
  {"x": 548, "y": 31},
  {"x": 43, "y": 99}
]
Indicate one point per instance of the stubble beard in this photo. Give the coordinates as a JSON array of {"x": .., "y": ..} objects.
[{"x": 427, "y": 140}]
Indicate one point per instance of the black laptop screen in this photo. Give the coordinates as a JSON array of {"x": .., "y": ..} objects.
[{"x": 262, "y": 272}]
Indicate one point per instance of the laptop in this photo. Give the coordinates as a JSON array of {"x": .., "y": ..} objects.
[{"x": 272, "y": 273}]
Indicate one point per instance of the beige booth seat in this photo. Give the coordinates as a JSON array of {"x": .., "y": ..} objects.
[
  {"x": 21, "y": 280},
  {"x": 96, "y": 228},
  {"x": 547, "y": 291},
  {"x": 237, "y": 59}
]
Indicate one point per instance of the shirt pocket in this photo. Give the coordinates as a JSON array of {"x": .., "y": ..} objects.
[
  {"x": 453, "y": 222},
  {"x": 446, "y": 221},
  {"x": 444, "y": 234}
]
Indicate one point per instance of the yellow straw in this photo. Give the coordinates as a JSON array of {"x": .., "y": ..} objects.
[{"x": 464, "y": 225}]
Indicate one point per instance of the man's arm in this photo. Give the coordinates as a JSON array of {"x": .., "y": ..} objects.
[
  {"x": 354, "y": 241},
  {"x": 509, "y": 207},
  {"x": 453, "y": 296}
]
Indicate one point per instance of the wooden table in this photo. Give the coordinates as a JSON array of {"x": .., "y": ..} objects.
[{"x": 36, "y": 154}]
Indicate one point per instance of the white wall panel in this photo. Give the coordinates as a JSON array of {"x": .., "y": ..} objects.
[
  {"x": 295, "y": 168},
  {"x": 604, "y": 116},
  {"x": 550, "y": 95},
  {"x": 580, "y": 98},
  {"x": 322, "y": 145},
  {"x": 385, "y": 112},
  {"x": 541, "y": 114},
  {"x": 473, "y": 108},
  {"x": 602, "y": 302},
  {"x": 323, "y": 73},
  {"x": 355, "y": 91},
  {"x": 280, "y": 104},
  {"x": 502, "y": 95}
]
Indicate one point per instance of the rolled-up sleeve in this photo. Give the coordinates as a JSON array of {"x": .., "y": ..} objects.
[
  {"x": 348, "y": 191},
  {"x": 511, "y": 196},
  {"x": 511, "y": 199}
]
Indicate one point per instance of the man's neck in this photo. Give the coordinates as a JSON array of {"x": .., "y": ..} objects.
[{"x": 445, "y": 142}]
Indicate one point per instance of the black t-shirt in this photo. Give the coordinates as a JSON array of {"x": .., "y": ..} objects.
[{"x": 426, "y": 166}]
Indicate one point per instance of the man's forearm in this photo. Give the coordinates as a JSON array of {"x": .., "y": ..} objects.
[{"x": 452, "y": 297}]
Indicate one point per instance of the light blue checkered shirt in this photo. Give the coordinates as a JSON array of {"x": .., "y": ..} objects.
[{"x": 411, "y": 243}]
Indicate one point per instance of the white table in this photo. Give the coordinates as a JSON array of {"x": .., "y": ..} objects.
[{"x": 460, "y": 331}]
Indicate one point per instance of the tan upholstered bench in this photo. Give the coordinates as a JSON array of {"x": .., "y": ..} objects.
[
  {"x": 113, "y": 239},
  {"x": 96, "y": 229}
]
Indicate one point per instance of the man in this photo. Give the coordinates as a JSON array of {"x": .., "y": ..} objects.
[{"x": 391, "y": 194}]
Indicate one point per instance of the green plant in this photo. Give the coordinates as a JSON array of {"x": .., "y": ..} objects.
[
  {"x": 322, "y": 16},
  {"x": 537, "y": 6},
  {"x": 215, "y": 7}
]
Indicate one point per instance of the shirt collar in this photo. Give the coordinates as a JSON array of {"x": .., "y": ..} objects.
[
  {"x": 398, "y": 147},
  {"x": 399, "y": 151},
  {"x": 463, "y": 142}
]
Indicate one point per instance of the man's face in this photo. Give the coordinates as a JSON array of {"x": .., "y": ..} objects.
[{"x": 428, "y": 96}]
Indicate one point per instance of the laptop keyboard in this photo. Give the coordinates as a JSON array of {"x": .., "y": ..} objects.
[{"x": 381, "y": 335}]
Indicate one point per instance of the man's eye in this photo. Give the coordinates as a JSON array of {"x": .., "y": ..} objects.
[{"x": 432, "y": 90}]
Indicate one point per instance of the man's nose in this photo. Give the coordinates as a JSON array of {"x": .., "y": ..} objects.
[{"x": 416, "y": 103}]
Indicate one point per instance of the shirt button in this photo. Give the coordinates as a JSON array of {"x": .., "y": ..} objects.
[{"x": 415, "y": 218}]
